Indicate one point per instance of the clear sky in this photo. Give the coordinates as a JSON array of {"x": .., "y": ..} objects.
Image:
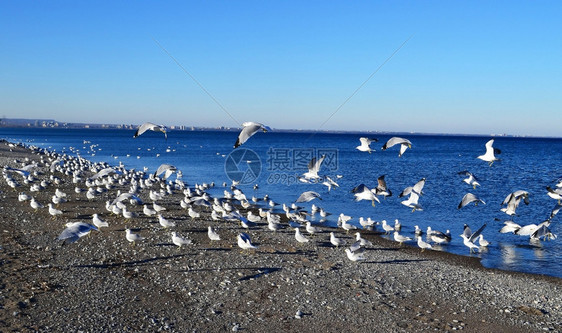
[{"x": 471, "y": 67}]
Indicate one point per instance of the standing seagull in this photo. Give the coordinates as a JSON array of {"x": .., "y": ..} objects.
[
  {"x": 150, "y": 126},
  {"x": 365, "y": 144},
  {"x": 490, "y": 151},
  {"x": 468, "y": 198},
  {"x": 404, "y": 144},
  {"x": 250, "y": 128}
]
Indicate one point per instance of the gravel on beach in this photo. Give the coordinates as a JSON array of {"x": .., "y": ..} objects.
[{"x": 104, "y": 283}]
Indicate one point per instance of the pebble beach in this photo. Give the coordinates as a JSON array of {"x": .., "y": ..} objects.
[{"x": 104, "y": 283}]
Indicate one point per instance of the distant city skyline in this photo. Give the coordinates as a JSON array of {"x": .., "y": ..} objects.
[{"x": 469, "y": 67}]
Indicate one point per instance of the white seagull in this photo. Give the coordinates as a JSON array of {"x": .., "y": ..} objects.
[
  {"x": 362, "y": 192},
  {"x": 179, "y": 241},
  {"x": 249, "y": 128},
  {"x": 308, "y": 196},
  {"x": 470, "y": 237},
  {"x": 471, "y": 179},
  {"x": 167, "y": 169},
  {"x": 335, "y": 240},
  {"x": 75, "y": 230},
  {"x": 150, "y": 126},
  {"x": 244, "y": 241},
  {"x": 468, "y": 198},
  {"x": 300, "y": 237},
  {"x": 490, "y": 156},
  {"x": 365, "y": 144},
  {"x": 356, "y": 255},
  {"x": 212, "y": 234},
  {"x": 132, "y": 237},
  {"x": 404, "y": 144},
  {"x": 313, "y": 169}
]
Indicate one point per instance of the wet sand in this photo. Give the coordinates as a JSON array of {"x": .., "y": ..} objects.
[{"x": 103, "y": 283}]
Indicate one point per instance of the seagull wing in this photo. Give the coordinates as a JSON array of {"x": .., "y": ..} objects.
[
  {"x": 250, "y": 128},
  {"x": 145, "y": 127},
  {"x": 394, "y": 141},
  {"x": 477, "y": 233},
  {"x": 308, "y": 196}
]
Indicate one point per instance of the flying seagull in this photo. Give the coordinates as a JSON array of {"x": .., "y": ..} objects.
[
  {"x": 313, "y": 168},
  {"x": 365, "y": 142},
  {"x": 167, "y": 169},
  {"x": 468, "y": 198},
  {"x": 471, "y": 179},
  {"x": 382, "y": 189},
  {"x": 362, "y": 192},
  {"x": 404, "y": 144},
  {"x": 308, "y": 196},
  {"x": 490, "y": 156},
  {"x": 250, "y": 128},
  {"x": 470, "y": 237},
  {"x": 150, "y": 126}
]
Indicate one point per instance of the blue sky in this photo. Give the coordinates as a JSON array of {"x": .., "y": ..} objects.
[{"x": 470, "y": 67}]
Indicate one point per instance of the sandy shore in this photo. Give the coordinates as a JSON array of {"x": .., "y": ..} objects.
[{"x": 102, "y": 283}]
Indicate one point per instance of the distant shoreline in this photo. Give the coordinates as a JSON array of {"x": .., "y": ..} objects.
[{"x": 8, "y": 123}]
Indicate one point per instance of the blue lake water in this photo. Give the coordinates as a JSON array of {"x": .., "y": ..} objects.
[{"x": 528, "y": 164}]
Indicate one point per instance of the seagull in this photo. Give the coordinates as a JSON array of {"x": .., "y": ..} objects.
[
  {"x": 404, "y": 144},
  {"x": 35, "y": 204},
  {"x": 512, "y": 202},
  {"x": 329, "y": 183},
  {"x": 213, "y": 235},
  {"x": 308, "y": 196},
  {"x": 179, "y": 241},
  {"x": 312, "y": 229},
  {"x": 423, "y": 245},
  {"x": 300, "y": 237},
  {"x": 98, "y": 222},
  {"x": 249, "y": 128},
  {"x": 362, "y": 192},
  {"x": 555, "y": 194},
  {"x": 53, "y": 211},
  {"x": 417, "y": 188},
  {"x": 74, "y": 231},
  {"x": 412, "y": 201},
  {"x": 148, "y": 211},
  {"x": 150, "y": 126},
  {"x": 336, "y": 241},
  {"x": 471, "y": 179},
  {"x": 490, "y": 151},
  {"x": 387, "y": 228},
  {"x": 381, "y": 188},
  {"x": 362, "y": 241},
  {"x": 244, "y": 241},
  {"x": 400, "y": 238},
  {"x": 313, "y": 169},
  {"x": 468, "y": 198},
  {"x": 164, "y": 222},
  {"x": 365, "y": 142},
  {"x": 132, "y": 237},
  {"x": 482, "y": 241},
  {"x": 437, "y": 236},
  {"x": 167, "y": 169},
  {"x": 397, "y": 225},
  {"x": 470, "y": 237},
  {"x": 356, "y": 255}
]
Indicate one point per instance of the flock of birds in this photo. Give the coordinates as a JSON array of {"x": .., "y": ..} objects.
[{"x": 92, "y": 179}]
